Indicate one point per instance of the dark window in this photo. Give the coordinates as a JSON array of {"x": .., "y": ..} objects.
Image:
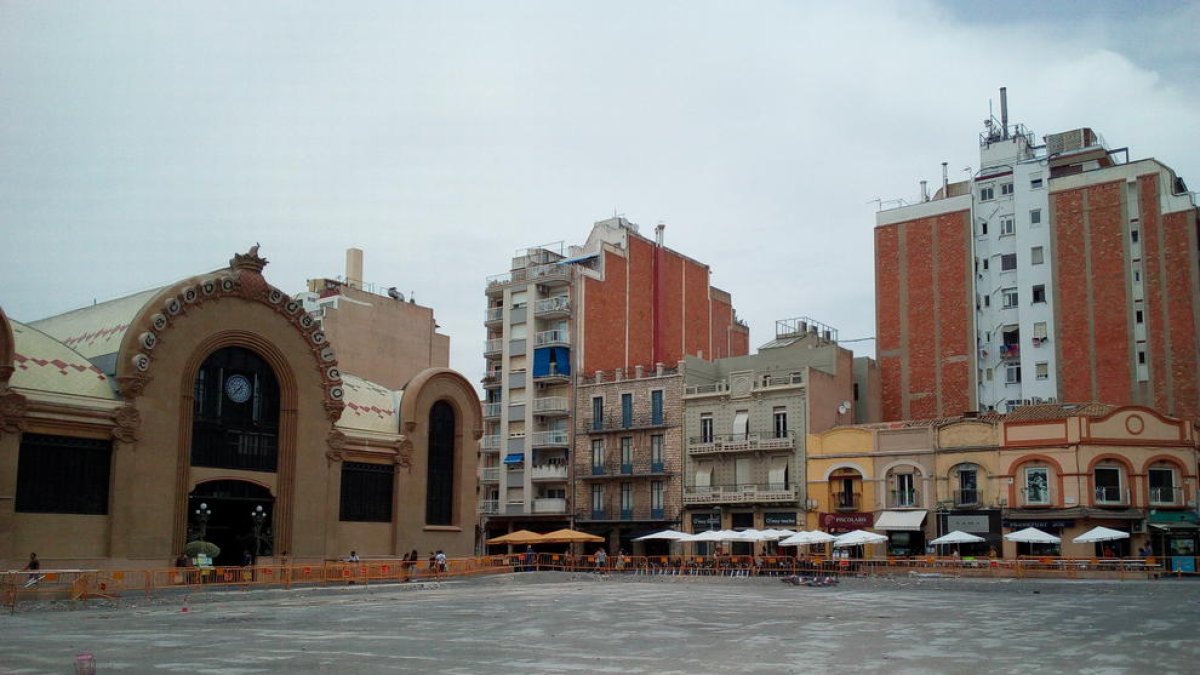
[
  {"x": 626, "y": 411},
  {"x": 597, "y": 412},
  {"x": 656, "y": 407},
  {"x": 439, "y": 495},
  {"x": 1008, "y": 262},
  {"x": 60, "y": 474},
  {"x": 236, "y": 411},
  {"x": 1039, "y": 293},
  {"x": 367, "y": 492}
]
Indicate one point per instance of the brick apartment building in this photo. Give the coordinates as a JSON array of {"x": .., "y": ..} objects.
[
  {"x": 1059, "y": 272},
  {"x": 619, "y": 301}
]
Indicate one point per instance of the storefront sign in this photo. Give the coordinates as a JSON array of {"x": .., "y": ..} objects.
[
  {"x": 702, "y": 522},
  {"x": 967, "y": 523},
  {"x": 845, "y": 521},
  {"x": 1039, "y": 524},
  {"x": 779, "y": 519}
]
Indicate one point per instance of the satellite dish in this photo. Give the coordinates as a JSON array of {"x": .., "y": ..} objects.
[{"x": 843, "y": 407}]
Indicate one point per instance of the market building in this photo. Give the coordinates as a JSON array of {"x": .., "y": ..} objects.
[{"x": 215, "y": 408}]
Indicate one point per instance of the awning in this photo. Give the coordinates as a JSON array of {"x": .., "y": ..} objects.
[
  {"x": 909, "y": 521},
  {"x": 514, "y": 458},
  {"x": 1179, "y": 526}
]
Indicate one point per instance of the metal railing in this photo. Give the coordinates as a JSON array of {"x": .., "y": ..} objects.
[
  {"x": 557, "y": 304},
  {"x": 491, "y": 442},
  {"x": 619, "y": 422},
  {"x": 493, "y": 346},
  {"x": 846, "y": 501},
  {"x": 493, "y": 314},
  {"x": 1166, "y": 495},
  {"x": 550, "y": 438},
  {"x": 724, "y": 443},
  {"x": 904, "y": 499},
  {"x": 740, "y": 494},
  {"x": 1111, "y": 494},
  {"x": 550, "y": 405},
  {"x": 489, "y": 507},
  {"x": 551, "y": 337},
  {"x": 552, "y": 373},
  {"x": 759, "y": 383},
  {"x": 624, "y": 469},
  {"x": 491, "y": 409},
  {"x": 611, "y": 510},
  {"x": 489, "y": 474}
]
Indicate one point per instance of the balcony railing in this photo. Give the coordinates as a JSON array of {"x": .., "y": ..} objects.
[
  {"x": 761, "y": 382},
  {"x": 489, "y": 507},
  {"x": 624, "y": 470},
  {"x": 551, "y": 337},
  {"x": 1111, "y": 494},
  {"x": 846, "y": 501},
  {"x": 489, "y": 474},
  {"x": 492, "y": 314},
  {"x": 724, "y": 443},
  {"x": 551, "y": 405},
  {"x": 740, "y": 494},
  {"x": 966, "y": 497},
  {"x": 542, "y": 439},
  {"x": 613, "y": 512},
  {"x": 1166, "y": 495},
  {"x": 490, "y": 442},
  {"x": 493, "y": 346},
  {"x": 560, "y": 304},
  {"x": 491, "y": 379},
  {"x": 549, "y": 472},
  {"x": 610, "y": 423},
  {"x": 491, "y": 410},
  {"x": 549, "y": 505},
  {"x": 553, "y": 373},
  {"x": 903, "y": 499}
]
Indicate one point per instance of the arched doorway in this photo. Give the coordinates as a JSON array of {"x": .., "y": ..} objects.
[
  {"x": 236, "y": 515},
  {"x": 235, "y": 421}
]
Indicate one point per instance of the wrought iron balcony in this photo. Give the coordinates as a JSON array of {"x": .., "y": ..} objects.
[
  {"x": 618, "y": 423},
  {"x": 624, "y": 470},
  {"x": 846, "y": 501},
  {"x": 1111, "y": 495},
  {"x": 1166, "y": 496},
  {"x": 613, "y": 512},
  {"x": 903, "y": 499},
  {"x": 966, "y": 497}
]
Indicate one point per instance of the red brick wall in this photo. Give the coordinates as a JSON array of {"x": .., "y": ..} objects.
[
  {"x": 641, "y": 302},
  {"x": 604, "y": 317},
  {"x": 698, "y": 335},
  {"x": 1073, "y": 337},
  {"x": 923, "y": 315},
  {"x": 722, "y": 320}
]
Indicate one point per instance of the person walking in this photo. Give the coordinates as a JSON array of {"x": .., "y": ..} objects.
[{"x": 601, "y": 559}]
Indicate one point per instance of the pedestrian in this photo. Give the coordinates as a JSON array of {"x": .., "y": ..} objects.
[
  {"x": 353, "y": 557},
  {"x": 32, "y": 567},
  {"x": 601, "y": 559},
  {"x": 432, "y": 561},
  {"x": 530, "y": 558},
  {"x": 183, "y": 560},
  {"x": 247, "y": 558},
  {"x": 440, "y": 561}
]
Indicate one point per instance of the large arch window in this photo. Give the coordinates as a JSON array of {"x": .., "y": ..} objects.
[
  {"x": 236, "y": 412},
  {"x": 439, "y": 487}
]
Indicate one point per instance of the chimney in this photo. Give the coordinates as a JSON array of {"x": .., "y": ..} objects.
[
  {"x": 354, "y": 268},
  {"x": 924, "y": 191},
  {"x": 945, "y": 181},
  {"x": 1004, "y": 111}
]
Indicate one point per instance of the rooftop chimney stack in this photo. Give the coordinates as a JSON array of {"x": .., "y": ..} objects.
[
  {"x": 945, "y": 181},
  {"x": 1004, "y": 112},
  {"x": 354, "y": 268}
]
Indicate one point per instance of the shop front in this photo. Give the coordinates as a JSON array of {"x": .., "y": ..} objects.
[
  {"x": 905, "y": 531},
  {"x": 1054, "y": 526},
  {"x": 979, "y": 522},
  {"x": 1173, "y": 537},
  {"x": 840, "y": 523}
]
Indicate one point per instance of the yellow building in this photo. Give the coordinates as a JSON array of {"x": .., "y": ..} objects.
[
  {"x": 215, "y": 408},
  {"x": 1064, "y": 468}
]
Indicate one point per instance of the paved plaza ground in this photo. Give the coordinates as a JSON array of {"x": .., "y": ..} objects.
[{"x": 550, "y": 622}]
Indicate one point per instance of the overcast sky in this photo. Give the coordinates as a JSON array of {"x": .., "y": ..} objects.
[{"x": 143, "y": 142}]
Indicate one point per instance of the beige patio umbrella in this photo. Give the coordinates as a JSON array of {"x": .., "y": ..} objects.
[
  {"x": 515, "y": 538},
  {"x": 568, "y": 536}
]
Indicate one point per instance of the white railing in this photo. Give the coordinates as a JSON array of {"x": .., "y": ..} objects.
[
  {"x": 493, "y": 345},
  {"x": 559, "y": 303},
  {"x": 743, "y": 494},
  {"x": 761, "y": 382},
  {"x": 493, "y": 314},
  {"x": 549, "y": 505},
  {"x": 547, "y": 404},
  {"x": 547, "y": 337},
  {"x": 557, "y": 437},
  {"x": 489, "y": 506},
  {"x": 489, "y": 474},
  {"x": 738, "y": 443},
  {"x": 549, "y": 472},
  {"x": 491, "y": 409},
  {"x": 490, "y": 442}
]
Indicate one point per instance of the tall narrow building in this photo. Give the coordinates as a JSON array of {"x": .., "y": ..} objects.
[
  {"x": 619, "y": 302},
  {"x": 1059, "y": 271}
]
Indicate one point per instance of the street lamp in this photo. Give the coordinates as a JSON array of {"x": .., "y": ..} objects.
[
  {"x": 259, "y": 516},
  {"x": 202, "y": 515}
]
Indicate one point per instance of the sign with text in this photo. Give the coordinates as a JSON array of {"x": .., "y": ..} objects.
[
  {"x": 702, "y": 522},
  {"x": 967, "y": 523},
  {"x": 779, "y": 519},
  {"x": 845, "y": 521}
]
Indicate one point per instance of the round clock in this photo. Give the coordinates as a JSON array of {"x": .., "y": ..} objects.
[{"x": 237, "y": 388}]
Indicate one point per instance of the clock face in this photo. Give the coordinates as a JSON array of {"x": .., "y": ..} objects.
[{"x": 237, "y": 388}]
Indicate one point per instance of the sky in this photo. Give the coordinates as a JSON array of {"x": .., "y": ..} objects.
[{"x": 144, "y": 142}]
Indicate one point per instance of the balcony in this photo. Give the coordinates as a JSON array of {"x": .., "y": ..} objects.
[
  {"x": 552, "y": 308},
  {"x": 617, "y": 423},
  {"x": 491, "y": 410},
  {"x": 552, "y": 375},
  {"x": 1010, "y": 352},
  {"x": 550, "y": 505},
  {"x": 903, "y": 499},
  {"x": 547, "y": 338},
  {"x": 550, "y": 439},
  {"x": 732, "y": 443},
  {"x": 489, "y": 474},
  {"x": 966, "y": 497},
  {"x": 740, "y": 494},
  {"x": 489, "y": 507},
  {"x": 760, "y": 383},
  {"x": 624, "y": 470},
  {"x": 551, "y": 406},
  {"x": 491, "y": 380},
  {"x": 492, "y": 315},
  {"x": 493, "y": 347},
  {"x": 845, "y": 501},
  {"x": 548, "y": 275},
  {"x": 1166, "y": 496},
  {"x": 613, "y": 513},
  {"x": 490, "y": 443},
  {"x": 551, "y": 472},
  {"x": 1111, "y": 495}
]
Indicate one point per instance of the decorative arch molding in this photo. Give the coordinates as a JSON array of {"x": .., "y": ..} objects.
[
  {"x": 273, "y": 490},
  {"x": 844, "y": 465},
  {"x": 243, "y": 279},
  {"x": 472, "y": 417},
  {"x": 1112, "y": 457},
  {"x": 886, "y": 469},
  {"x": 1033, "y": 459},
  {"x": 954, "y": 468},
  {"x": 7, "y": 350},
  {"x": 1178, "y": 463}
]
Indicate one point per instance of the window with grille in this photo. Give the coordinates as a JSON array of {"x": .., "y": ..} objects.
[
  {"x": 367, "y": 492},
  {"x": 61, "y": 474}
]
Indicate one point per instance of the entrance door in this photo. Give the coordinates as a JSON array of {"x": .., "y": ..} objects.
[{"x": 230, "y": 519}]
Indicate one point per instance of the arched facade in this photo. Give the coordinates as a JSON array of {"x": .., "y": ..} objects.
[{"x": 131, "y": 368}]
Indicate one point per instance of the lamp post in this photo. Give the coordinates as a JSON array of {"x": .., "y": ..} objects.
[
  {"x": 202, "y": 515},
  {"x": 259, "y": 516}
]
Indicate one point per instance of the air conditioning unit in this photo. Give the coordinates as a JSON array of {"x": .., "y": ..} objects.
[{"x": 1138, "y": 527}]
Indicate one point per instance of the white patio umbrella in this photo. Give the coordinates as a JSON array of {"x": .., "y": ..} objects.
[
  {"x": 858, "y": 538},
  {"x": 1100, "y": 534},
  {"x": 709, "y": 535},
  {"x": 957, "y": 537},
  {"x": 1032, "y": 535},
  {"x": 807, "y": 538},
  {"x": 771, "y": 534},
  {"x": 670, "y": 535}
]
